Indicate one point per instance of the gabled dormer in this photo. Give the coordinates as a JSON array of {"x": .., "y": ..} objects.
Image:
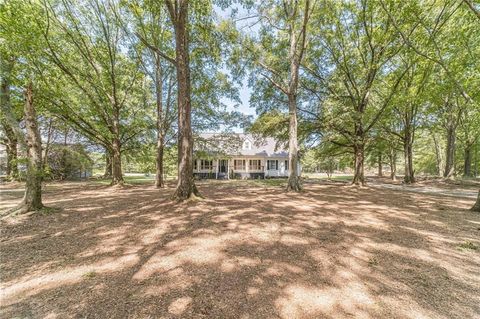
[{"x": 247, "y": 144}]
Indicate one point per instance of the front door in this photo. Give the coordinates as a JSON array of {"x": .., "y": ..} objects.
[{"x": 223, "y": 166}]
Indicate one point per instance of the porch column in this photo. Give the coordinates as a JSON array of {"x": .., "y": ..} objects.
[
  {"x": 216, "y": 173},
  {"x": 265, "y": 167}
]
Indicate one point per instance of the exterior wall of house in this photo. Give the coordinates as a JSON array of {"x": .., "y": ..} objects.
[{"x": 270, "y": 167}]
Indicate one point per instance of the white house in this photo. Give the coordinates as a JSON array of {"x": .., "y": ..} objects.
[{"x": 238, "y": 156}]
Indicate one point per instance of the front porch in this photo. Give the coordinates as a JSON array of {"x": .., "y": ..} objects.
[{"x": 240, "y": 168}]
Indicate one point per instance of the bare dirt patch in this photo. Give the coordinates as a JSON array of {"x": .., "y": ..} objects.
[{"x": 246, "y": 251}]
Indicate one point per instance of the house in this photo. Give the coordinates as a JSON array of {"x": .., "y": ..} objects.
[{"x": 238, "y": 156}]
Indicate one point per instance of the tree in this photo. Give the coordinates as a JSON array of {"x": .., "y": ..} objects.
[
  {"x": 362, "y": 73},
  {"x": 407, "y": 108},
  {"x": 32, "y": 200},
  {"x": 31, "y": 143},
  {"x": 283, "y": 33},
  {"x": 10, "y": 140},
  {"x": 86, "y": 44},
  {"x": 476, "y": 206},
  {"x": 155, "y": 35},
  {"x": 20, "y": 50},
  {"x": 178, "y": 11}
]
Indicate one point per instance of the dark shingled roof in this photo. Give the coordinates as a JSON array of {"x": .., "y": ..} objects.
[{"x": 231, "y": 144}]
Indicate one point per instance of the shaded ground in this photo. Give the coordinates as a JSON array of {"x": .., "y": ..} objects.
[
  {"x": 247, "y": 251},
  {"x": 466, "y": 188}
]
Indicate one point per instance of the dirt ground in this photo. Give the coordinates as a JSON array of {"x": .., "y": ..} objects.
[{"x": 245, "y": 251}]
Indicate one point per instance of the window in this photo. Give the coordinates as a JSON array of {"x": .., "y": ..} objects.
[
  {"x": 239, "y": 165},
  {"x": 206, "y": 165},
  {"x": 247, "y": 145},
  {"x": 272, "y": 164},
  {"x": 255, "y": 165},
  {"x": 286, "y": 165},
  {"x": 195, "y": 165}
]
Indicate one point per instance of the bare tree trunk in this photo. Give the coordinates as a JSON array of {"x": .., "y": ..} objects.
[
  {"x": 160, "y": 125},
  {"x": 393, "y": 164},
  {"x": 186, "y": 186},
  {"x": 408, "y": 155},
  {"x": 476, "y": 207},
  {"x": 296, "y": 52},
  {"x": 117, "y": 176},
  {"x": 108, "y": 164},
  {"x": 159, "y": 182},
  {"x": 32, "y": 199},
  {"x": 12, "y": 154},
  {"x": 380, "y": 165},
  {"x": 359, "y": 171},
  {"x": 409, "y": 172},
  {"x": 9, "y": 121},
  {"x": 293, "y": 178},
  {"x": 438, "y": 154},
  {"x": 467, "y": 166},
  {"x": 47, "y": 144},
  {"x": 450, "y": 154}
]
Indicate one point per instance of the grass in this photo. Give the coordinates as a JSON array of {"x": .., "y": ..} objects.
[
  {"x": 90, "y": 274},
  {"x": 129, "y": 179},
  {"x": 139, "y": 179},
  {"x": 346, "y": 178},
  {"x": 468, "y": 245}
]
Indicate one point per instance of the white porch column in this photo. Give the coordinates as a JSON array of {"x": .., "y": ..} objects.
[
  {"x": 265, "y": 168},
  {"x": 216, "y": 172}
]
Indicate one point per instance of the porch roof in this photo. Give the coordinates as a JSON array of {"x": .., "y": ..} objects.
[{"x": 231, "y": 144}]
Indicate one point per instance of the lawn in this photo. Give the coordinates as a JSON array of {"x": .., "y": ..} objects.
[{"x": 248, "y": 250}]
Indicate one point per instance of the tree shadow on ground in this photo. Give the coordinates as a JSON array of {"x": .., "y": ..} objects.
[{"x": 246, "y": 251}]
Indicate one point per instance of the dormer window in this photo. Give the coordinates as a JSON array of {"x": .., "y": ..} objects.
[{"x": 247, "y": 145}]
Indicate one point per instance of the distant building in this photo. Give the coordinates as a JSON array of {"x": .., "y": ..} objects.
[
  {"x": 238, "y": 156},
  {"x": 68, "y": 161}
]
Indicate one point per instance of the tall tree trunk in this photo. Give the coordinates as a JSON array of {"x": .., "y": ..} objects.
[
  {"x": 393, "y": 164},
  {"x": 359, "y": 171},
  {"x": 409, "y": 177},
  {"x": 409, "y": 172},
  {"x": 475, "y": 160},
  {"x": 32, "y": 199},
  {"x": 380, "y": 165},
  {"x": 117, "y": 176},
  {"x": 185, "y": 186},
  {"x": 31, "y": 141},
  {"x": 467, "y": 166},
  {"x": 450, "y": 153},
  {"x": 297, "y": 48},
  {"x": 9, "y": 121},
  {"x": 476, "y": 207},
  {"x": 108, "y": 164},
  {"x": 438, "y": 154},
  {"x": 160, "y": 122},
  {"x": 12, "y": 154},
  {"x": 293, "y": 178},
  {"x": 159, "y": 182},
  {"x": 47, "y": 144}
]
